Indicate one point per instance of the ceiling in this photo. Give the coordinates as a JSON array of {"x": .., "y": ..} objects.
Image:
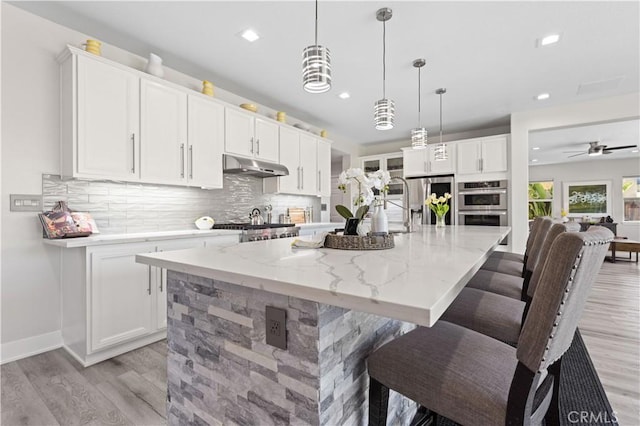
[
  {"x": 484, "y": 53},
  {"x": 562, "y": 145}
]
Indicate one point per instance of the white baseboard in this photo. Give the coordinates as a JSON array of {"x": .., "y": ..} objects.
[{"x": 18, "y": 349}]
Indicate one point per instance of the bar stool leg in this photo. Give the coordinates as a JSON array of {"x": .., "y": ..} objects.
[{"x": 378, "y": 403}]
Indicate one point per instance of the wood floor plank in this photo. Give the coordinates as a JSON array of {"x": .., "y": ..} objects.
[
  {"x": 21, "y": 404},
  {"x": 136, "y": 409},
  {"x": 160, "y": 347},
  {"x": 68, "y": 395},
  {"x": 98, "y": 373},
  {"x": 145, "y": 390},
  {"x": 149, "y": 364}
]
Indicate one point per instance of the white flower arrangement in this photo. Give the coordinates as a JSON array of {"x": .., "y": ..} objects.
[
  {"x": 438, "y": 205},
  {"x": 366, "y": 183}
]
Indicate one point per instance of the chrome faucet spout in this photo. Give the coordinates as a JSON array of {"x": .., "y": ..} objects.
[{"x": 406, "y": 208}]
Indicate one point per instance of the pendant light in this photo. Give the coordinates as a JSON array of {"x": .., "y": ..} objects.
[
  {"x": 419, "y": 134},
  {"x": 384, "y": 108},
  {"x": 316, "y": 65},
  {"x": 440, "y": 150}
]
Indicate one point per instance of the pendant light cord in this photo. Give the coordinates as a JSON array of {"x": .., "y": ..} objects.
[
  {"x": 384, "y": 55},
  {"x": 440, "y": 118},
  {"x": 419, "y": 103},
  {"x": 316, "y": 22}
]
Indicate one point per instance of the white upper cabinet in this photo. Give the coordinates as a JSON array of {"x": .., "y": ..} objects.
[
  {"x": 206, "y": 142},
  {"x": 290, "y": 158},
  {"x": 163, "y": 138},
  {"x": 249, "y": 136},
  {"x": 106, "y": 144},
  {"x": 308, "y": 165},
  {"x": 422, "y": 162},
  {"x": 483, "y": 155},
  {"x": 324, "y": 168}
]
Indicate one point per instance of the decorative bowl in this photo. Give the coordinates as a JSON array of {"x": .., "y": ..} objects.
[
  {"x": 204, "y": 223},
  {"x": 249, "y": 107}
]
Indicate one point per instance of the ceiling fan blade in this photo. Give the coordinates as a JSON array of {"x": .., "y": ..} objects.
[
  {"x": 614, "y": 148},
  {"x": 571, "y": 152},
  {"x": 575, "y": 155}
]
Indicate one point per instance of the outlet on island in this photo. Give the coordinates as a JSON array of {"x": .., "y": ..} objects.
[{"x": 276, "y": 330}]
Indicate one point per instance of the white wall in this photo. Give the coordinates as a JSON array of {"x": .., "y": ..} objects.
[
  {"x": 601, "y": 170},
  {"x": 602, "y": 110},
  {"x": 30, "y": 302}
]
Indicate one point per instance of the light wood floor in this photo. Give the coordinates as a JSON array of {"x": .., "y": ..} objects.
[{"x": 53, "y": 389}]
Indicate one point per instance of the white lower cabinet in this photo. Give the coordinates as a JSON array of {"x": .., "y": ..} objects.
[{"x": 110, "y": 303}]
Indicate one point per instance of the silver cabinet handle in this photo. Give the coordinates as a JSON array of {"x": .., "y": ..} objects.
[
  {"x": 251, "y": 148},
  {"x": 481, "y": 164},
  {"x": 182, "y": 160},
  {"x": 161, "y": 278},
  {"x": 257, "y": 146},
  {"x": 301, "y": 177},
  {"x": 133, "y": 157},
  {"x": 149, "y": 286},
  {"x": 190, "y": 161},
  {"x": 298, "y": 170},
  {"x": 319, "y": 180}
]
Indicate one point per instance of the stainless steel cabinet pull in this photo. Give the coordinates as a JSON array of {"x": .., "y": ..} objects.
[
  {"x": 298, "y": 186},
  {"x": 481, "y": 164},
  {"x": 149, "y": 286},
  {"x": 182, "y": 160},
  {"x": 161, "y": 278},
  {"x": 190, "y": 161},
  {"x": 133, "y": 157},
  {"x": 301, "y": 177},
  {"x": 257, "y": 146},
  {"x": 319, "y": 180},
  {"x": 251, "y": 148}
]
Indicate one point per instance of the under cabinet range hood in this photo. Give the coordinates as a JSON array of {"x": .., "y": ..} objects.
[{"x": 252, "y": 167}]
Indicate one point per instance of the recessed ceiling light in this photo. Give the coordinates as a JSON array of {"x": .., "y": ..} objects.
[
  {"x": 535, "y": 160},
  {"x": 542, "y": 96},
  {"x": 535, "y": 148},
  {"x": 344, "y": 95},
  {"x": 550, "y": 39},
  {"x": 249, "y": 35}
]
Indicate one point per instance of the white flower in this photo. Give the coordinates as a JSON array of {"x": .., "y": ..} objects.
[
  {"x": 342, "y": 179},
  {"x": 355, "y": 173},
  {"x": 442, "y": 200}
]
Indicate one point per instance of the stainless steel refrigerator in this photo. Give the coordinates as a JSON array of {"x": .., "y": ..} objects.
[{"x": 421, "y": 187}]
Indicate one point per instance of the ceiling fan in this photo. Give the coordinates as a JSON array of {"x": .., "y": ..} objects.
[{"x": 596, "y": 149}]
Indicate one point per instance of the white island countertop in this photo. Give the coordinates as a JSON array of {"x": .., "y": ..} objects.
[{"x": 415, "y": 281}]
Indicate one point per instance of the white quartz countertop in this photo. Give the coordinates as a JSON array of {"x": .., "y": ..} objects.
[
  {"x": 321, "y": 225},
  {"x": 99, "y": 239},
  {"x": 415, "y": 281}
]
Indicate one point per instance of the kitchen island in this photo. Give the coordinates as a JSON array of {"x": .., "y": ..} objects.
[{"x": 340, "y": 306}]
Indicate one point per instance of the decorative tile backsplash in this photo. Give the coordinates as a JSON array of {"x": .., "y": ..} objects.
[{"x": 126, "y": 207}]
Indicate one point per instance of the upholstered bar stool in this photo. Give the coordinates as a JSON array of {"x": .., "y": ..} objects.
[
  {"x": 508, "y": 284},
  {"x": 495, "y": 315},
  {"x": 515, "y": 268},
  {"x": 473, "y": 379},
  {"x": 517, "y": 257}
]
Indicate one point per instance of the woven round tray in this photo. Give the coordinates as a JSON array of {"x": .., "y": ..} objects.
[{"x": 356, "y": 242}]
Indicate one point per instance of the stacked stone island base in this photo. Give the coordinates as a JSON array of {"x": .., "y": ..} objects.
[{"x": 221, "y": 371}]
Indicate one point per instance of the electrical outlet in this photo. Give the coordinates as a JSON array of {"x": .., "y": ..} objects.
[{"x": 276, "y": 330}]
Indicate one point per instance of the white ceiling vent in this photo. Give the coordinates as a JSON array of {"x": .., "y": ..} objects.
[{"x": 599, "y": 86}]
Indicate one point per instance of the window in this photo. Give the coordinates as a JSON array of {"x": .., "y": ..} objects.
[
  {"x": 540, "y": 199},
  {"x": 631, "y": 198}
]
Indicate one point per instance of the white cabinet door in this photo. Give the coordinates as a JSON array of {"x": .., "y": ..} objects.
[
  {"x": 290, "y": 158},
  {"x": 494, "y": 154},
  {"x": 206, "y": 142},
  {"x": 308, "y": 165},
  {"x": 324, "y": 168},
  {"x": 163, "y": 121},
  {"x": 469, "y": 155},
  {"x": 371, "y": 164},
  {"x": 238, "y": 138},
  {"x": 160, "y": 283},
  {"x": 107, "y": 118},
  {"x": 441, "y": 167},
  {"x": 266, "y": 140},
  {"x": 120, "y": 294},
  {"x": 414, "y": 162}
]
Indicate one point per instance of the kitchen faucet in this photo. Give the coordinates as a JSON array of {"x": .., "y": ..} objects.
[{"x": 406, "y": 208}]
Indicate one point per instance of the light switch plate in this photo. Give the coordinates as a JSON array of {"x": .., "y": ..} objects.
[
  {"x": 25, "y": 202},
  {"x": 276, "y": 329}
]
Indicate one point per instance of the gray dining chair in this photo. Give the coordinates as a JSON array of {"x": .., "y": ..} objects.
[
  {"x": 474, "y": 379},
  {"x": 495, "y": 315},
  {"x": 511, "y": 284}
]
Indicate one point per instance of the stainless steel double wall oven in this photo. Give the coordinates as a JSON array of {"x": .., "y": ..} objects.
[{"x": 483, "y": 203}]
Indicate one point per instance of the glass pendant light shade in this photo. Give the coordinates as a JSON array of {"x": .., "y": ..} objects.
[
  {"x": 383, "y": 113},
  {"x": 316, "y": 69},
  {"x": 316, "y": 65},
  {"x": 384, "y": 109},
  {"x": 419, "y": 138},
  {"x": 419, "y": 134},
  {"x": 440, "y": 150}
]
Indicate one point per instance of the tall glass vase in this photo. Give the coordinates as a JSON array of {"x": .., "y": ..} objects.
[{"x": 440, "y": 223}]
